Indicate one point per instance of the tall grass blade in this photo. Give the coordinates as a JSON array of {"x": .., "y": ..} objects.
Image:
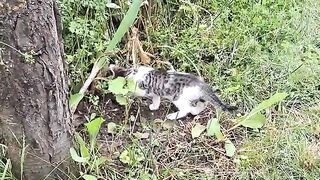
[{"x": 123, "y": 28}]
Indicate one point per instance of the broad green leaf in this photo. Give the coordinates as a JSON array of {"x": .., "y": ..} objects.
[
  {"x": 117, "y": 86},
  {"x": 213, "y": 128},
  {"x": 93, "y": 128},
  {"x": 75, "y": 99},
  {"x": 269, "y": 102},
  {"x": 145, "y": 176},
  {"x": 112, "y": 127},
  {"x": 122, "y": 100},
  {"x": 83, "y": 149},
  {"x": 131, "y": 85},
  {"x": 255, "y": 115},
  {"x": 89, "y": 177},
  {"x": 255, "y": 121},
  {"x": 230, "y": 148},
  {"x": 76, "y": 157},
  {"x": 197, "y": 130}
]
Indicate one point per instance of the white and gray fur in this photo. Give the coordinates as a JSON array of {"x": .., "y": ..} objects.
[{"x": 187, "y": 92}]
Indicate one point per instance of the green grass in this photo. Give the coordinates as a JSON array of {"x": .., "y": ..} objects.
[
  {"x": 5, "y": 164},
  {"x": 288, "y": 147},
  {"x": 248, "y": 49}
]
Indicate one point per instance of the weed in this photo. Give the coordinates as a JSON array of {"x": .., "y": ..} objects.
[
  {"x": 249, "y": 49},
  {"x": 93, "y": 99},
  {"x": 121, "y": 88},
  {"x": 284, "y": 152},
  {"x": 5, "y": 165},
  {"x": 89, "y": 157}
]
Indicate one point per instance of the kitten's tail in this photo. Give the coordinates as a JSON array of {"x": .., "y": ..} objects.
[{"x": 209, "y": 95}]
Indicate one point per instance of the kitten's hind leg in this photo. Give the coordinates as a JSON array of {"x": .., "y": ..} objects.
[
  {"x": 155, "y": 103},
  {"x": 184, "y": 107}
]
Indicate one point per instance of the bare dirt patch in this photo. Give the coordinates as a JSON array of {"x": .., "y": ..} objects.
[{"x": 167, "y": 146}]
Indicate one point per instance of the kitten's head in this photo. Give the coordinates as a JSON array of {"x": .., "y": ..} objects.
[{"x": 139, "y": 73}]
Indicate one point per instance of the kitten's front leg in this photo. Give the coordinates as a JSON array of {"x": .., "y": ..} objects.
[{"x": 155, "y": 103}]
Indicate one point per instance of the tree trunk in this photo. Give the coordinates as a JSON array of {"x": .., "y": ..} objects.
[{"x": 34, "y": 112}]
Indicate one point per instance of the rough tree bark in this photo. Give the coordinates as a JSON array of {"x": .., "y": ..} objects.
[{"x": 33, "y": 89}]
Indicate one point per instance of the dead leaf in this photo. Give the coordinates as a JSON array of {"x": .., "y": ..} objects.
[
  {"x": 197, "y": 130},
  {"x": 140, "y": 135},
  {"x": 112, "y": 127},
  {"x": 168, "y": 124},
  {"x": 135, "y": 46},
  {"x": 144, "y": 58}
]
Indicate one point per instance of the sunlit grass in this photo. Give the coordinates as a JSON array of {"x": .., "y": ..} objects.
[
  {"x": 254, "y": 50},
  {"x": 249, "y": 50}
]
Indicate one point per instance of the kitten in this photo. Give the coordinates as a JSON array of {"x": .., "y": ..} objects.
[{"x": 187, "y": 92}]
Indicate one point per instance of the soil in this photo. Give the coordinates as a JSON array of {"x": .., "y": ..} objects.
[
  {"x": 112, "y": 111},
  {"x": 176, "y": 149}
]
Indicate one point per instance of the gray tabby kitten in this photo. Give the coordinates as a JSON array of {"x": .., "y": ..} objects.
[{"x": 187, "y": 92}]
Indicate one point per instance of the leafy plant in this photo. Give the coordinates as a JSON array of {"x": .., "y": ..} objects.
[
  {"x": 121, "y": 88},
  {"x": 88, "y": 177},
  {"x": 252, "y": 120},
  {"x": 248, "y": 48},
  {"x": 74, "y": 99},
  {"x": 93, "y": 128},
  {"x": 5, "y": 164},
  {"x": 93, "y": 99},
  {"x": 88, "y": 156},
  {"x": 112, "y": 127},
  {"x": 131, "y": 156},
  {"x": 255, "y": 119},
  {"x": 213, "y": 129},
  {"x": 230, "y": 148}
]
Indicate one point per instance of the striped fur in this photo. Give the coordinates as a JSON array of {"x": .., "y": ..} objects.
[{"x": 188, "y": 92}]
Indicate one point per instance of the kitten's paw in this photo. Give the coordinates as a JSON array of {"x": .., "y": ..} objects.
[
  {"x": 152, "y": 107},
  {"x": 198, "y": 109},
  {"x": 172, "y": 116}
]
